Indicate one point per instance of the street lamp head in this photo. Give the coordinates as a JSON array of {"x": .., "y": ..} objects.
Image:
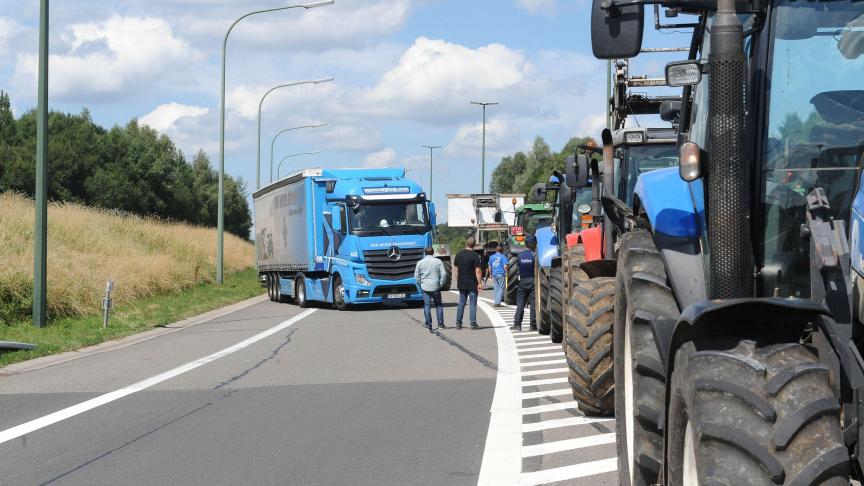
[
  {"x": 484, "y": 103},
  {"x": 307, "y": 6},
  {"x": 323, "y": 80}
]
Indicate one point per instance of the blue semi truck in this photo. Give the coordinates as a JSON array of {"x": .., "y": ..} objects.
[{"x": 343, "y": 237}]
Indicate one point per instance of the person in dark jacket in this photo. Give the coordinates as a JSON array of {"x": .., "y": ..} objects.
[
  {"x": 525, "y": 291},
  {"x": 467, "y": 272}
]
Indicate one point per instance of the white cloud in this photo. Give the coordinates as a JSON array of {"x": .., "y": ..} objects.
[
  {"x": 381, "y": 158},
  {"x": 9, "y": 30},
  {"x": 501, "y": 138},
  {"x": 537, "y": 6},
  {"x": 435, "y": 79},
  {"x": 111, "y": 59},
  {"x": 593, "y": 124},
  {"x": 165, "y": 116}
]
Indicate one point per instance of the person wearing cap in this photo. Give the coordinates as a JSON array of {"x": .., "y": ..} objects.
[{"x": 525, "y": 291}]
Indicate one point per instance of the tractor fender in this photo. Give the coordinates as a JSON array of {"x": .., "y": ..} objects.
[
  {"x": 773, "y": 318},
  {"x": 547, "y": 246},
  {"x": 572, "y": 239},
  {"x": 592, "y": 241},
  {"x": 600, "y": 268}
]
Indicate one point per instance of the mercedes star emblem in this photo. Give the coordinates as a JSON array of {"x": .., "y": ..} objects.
[{"x": 394, "y": 253}]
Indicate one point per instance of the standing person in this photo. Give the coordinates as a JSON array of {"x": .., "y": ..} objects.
[
  {"x": 431, "y": 276},
  {"x": 467, "y": 271},
  {"x": 525, "y": 291},
  {"x": 498, "y": 271}
]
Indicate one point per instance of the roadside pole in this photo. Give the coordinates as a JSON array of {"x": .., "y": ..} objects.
[{"x": 40, "y": 230}]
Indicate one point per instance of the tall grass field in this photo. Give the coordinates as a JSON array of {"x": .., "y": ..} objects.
[{"x": 144, "y": 257}]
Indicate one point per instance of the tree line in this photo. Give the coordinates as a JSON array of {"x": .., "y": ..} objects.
[
  {"x": 518, "y": 172},
  {"x": 131, "y": 168}
]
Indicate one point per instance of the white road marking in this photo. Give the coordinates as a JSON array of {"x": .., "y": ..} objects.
[
  {"x": 40, "y": 423},
  {"x": 569, "y": 472},
  {"x": 559, "y": 354},
  {"x": 544, "y": 363},
  {"x": 550, "y": 407},
  {"x": 567, "y": 445},
  {"x": 528, "y": 345},
  {"x": 502, "y": 464},
  {"x": 547, "y": 393},
  {"x": 522, "y": 351},
  {"x": 549, "y": 381},
  {"x": 530, "y": 339},
  {"x": 545, "y": 372},
  {"x": 565, "y": 422}
]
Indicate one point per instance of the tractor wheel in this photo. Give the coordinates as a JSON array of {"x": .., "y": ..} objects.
[
  {"x": 573, "y": 273},
  {"x": 512, "y": 279},
  {"x": 588, "y": 334},
  {"x": 642, "y": 294},
  {"x": 741, "y": 413},
  {"x": 541, "y": 291},
  {"x": 448, "y": 268},
  {"x": 556, "y": 304}
]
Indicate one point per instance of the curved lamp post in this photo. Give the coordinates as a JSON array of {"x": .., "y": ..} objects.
[
  {"x": 279, "y": 167},
  {"x": 220, "y": 240},
  {"x": 260, "y": 106},
  {"x": 273, "y": 143}
]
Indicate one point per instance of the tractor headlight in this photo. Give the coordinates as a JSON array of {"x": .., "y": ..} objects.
[{"x": 634, "y": 137}]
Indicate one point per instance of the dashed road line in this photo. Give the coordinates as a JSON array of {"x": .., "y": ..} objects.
[
  {"x": 544, "y": 363},
  {"x": 566, "y": 422},
  {"x": 564, "y": 473},
  {"x": 548, "y": 381},
  {"x": 567, "y": 445},
  {"x": 544, "y": 372}
]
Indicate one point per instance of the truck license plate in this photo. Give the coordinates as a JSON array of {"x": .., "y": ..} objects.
[{"x": 396, "y": 296}]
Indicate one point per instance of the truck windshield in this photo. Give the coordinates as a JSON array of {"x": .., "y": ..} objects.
[
  {"x": 389, "y": 218},
  {"x": 815, "y": 130},
  {"x": 645, "y": 158}
]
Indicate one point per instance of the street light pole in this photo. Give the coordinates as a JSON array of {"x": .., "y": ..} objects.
[
  {"x": 279, "y": 167},
  {"x": 431, "y": 148},
  {"x": 40, "y": 233},
  {"x": 273, "y": 143},
  {"x": 484, "y": 104},
  {"x": 220, "y": 223},
  {"x": 260, "y": 106}
]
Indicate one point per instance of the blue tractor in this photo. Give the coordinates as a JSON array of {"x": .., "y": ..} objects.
[{"x": 737, "y": 328}]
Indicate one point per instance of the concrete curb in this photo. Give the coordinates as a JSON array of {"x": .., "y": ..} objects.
[{"x": 56, "y": 359}]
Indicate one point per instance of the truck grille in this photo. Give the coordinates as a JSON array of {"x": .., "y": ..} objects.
[{"x": 384, "y": 268}]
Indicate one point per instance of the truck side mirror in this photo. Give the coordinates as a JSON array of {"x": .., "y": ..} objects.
[
  {"x": 576, "y": 171},
  {"x": 337, "y": 219},
  {"x": 538, "y": 192},
  {"x": 616, "y": 32},
  {"x": 433, "y": 216}
]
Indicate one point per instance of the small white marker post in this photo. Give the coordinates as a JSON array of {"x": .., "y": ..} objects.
[{"x": 107, "y": 304}]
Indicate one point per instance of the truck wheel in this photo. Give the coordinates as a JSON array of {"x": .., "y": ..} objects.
[
  {"x": 278, "y": 296},
  {"x": 741, "y": 413},
  {"x": 448, "y": 267},
  {"x": 641, "y": 294},
  {"x": 512, "y": 279},
  {"x": 588, "y": 334},
  {"x": 542, "y": 301},
  {"x": 268, "y": 281},
  {"x": 300, "y": 292},
  {"x": 556, "y": 304},
  {"x": 339, "y": 295}
]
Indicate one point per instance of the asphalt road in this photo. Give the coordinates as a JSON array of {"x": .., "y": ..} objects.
[{"x": 329, "y": 398}]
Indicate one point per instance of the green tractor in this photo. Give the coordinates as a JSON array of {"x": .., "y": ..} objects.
[{"x": 529, "y": 217}]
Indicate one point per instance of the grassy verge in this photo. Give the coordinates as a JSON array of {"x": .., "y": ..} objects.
[{"x": 68, "y": 334}]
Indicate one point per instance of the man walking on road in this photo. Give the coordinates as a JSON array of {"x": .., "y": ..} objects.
[
  {"x": 431, "y": 275},
  {"x": 498, "y": 270},
  {"x": 467, "y": 271},
  {"x": 525, "y": 291}
]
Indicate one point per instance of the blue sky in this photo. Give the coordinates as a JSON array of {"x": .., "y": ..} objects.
[{"x": 405, "y": 72}]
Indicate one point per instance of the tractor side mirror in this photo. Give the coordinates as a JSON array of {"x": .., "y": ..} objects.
[
  {"x": 576, "y": 171},
  {"x": 616, "y": 32},
  {"x": 670, "y": 110},
  {"x": 538, "y": 192}
]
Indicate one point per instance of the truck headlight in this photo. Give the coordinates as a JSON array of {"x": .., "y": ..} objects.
[{"x": 361, "y": 279}]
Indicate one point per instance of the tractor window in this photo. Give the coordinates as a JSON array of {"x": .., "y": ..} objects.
[
  {"x": 645, "y": 158},
  {"x": 815, "y": 130}
]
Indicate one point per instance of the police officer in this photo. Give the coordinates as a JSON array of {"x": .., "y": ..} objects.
[{"x": 525, "y": 291}]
